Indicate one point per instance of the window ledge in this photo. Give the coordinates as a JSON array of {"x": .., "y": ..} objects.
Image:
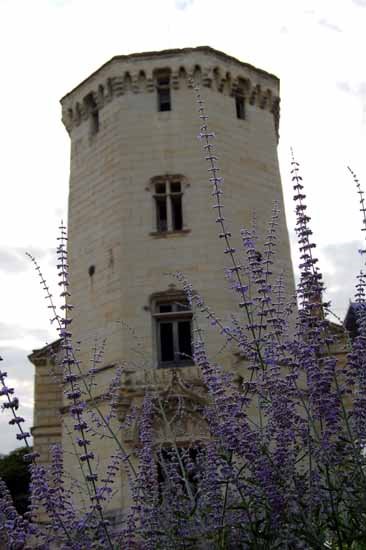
[
  {"x": 169, "y": 234},
  {"x": 175, "y": 365},
  {"x": 164, "y": 115}
]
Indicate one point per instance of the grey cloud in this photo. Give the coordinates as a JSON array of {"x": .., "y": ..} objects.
[
  {"x": 361, "y": 3},
  {"x": 8, "y": 434},
  {"x": 344, "y": 87},
  {"x": 340, "y": 280},
  {"x": 40, "y": 334},
  {"x": 10, "y": 332},
  {"x": 16, "y": 332},
  {"x": 14, "y": 260},
  {"x": 183, "y": 4},
  {"x": 328, "y": 25},
  {"x": 16, "y": 363},
  {"x": 358, "y": 90}
]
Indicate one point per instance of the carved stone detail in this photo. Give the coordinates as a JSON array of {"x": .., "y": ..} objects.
[
  {"x": 217, "y": 78},
  {"x": 182, "y": 402}
]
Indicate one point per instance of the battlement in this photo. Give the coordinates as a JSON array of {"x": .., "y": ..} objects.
[{"x": 137, "y": 73}]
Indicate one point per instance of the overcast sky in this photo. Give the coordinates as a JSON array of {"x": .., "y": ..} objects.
[{"x": 315, "y": 47}]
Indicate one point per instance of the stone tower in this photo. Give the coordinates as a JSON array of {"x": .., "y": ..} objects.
[{"x": 140, "y": 208}]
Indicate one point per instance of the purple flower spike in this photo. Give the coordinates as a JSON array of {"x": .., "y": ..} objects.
[
  {"x": 16, "y": 420},
  {"x": 23, "y": 436}
]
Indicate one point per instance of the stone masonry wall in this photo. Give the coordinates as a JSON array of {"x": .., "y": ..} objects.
[{"x": 117, "y": 259}]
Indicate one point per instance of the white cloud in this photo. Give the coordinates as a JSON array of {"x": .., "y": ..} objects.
[{"x": 329, "y": 25}]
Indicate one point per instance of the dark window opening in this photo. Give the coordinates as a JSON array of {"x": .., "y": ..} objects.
[
  {"x": 163, "y": 88},
  {"x": 169, "y": 204},
  {"x": 94, "y": 122},
  {"x": 92, "y": 109},
  {"x": 161, "y": 214},
  {"x": 165, "y": 308},
  {"x": 184, "y": 339},
  {"x": 240, "y": 107},
  {"x": 175, "y": 187},
  {"x": 160, "y": 188},
  {"x": 174, "y": 332},
  {"x": 164, "y": 100},
  {"x": 177, "y": 217},
  {"x": 181, "y": 463},
  {"x": 166, "y": 342}
]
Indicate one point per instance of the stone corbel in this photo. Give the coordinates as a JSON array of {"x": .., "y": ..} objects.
[
  {"x": 136, "y": 84},
  {"x": 206, "y": 79},
  {"x": 175, "y": 80},
  {"x": 263, "y": 100},
  {"x": 77, "y": 114},
  {"x": 117, "y": 85},
  {"x": 150, "y": 85},
  {"x": 254, "y": 95}
]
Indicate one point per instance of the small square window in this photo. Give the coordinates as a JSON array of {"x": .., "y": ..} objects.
[
  {"x": 240, "y": 107},
  {"x": 164, "y": 100},
  {"x": 163, "y": 91}
]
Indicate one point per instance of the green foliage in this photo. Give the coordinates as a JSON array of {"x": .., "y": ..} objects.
[{"x": 14, "y": 471}]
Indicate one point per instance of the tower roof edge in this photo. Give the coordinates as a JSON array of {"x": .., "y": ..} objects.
[{"x": 172, "y": 53}]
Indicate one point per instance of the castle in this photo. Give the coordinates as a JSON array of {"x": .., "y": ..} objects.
[{"x": 140, "y": 210}]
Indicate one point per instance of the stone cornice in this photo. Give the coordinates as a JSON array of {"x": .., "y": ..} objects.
[
  {"x": 39, "y": 356},
  {"x": 135, "y": 74},
  {"x": 168, "y": 54}
]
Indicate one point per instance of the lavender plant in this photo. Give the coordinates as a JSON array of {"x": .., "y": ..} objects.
[{"x": 281, "y": 460}]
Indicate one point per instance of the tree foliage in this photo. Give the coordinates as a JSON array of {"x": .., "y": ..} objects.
[{"x": 15, "y": 472}]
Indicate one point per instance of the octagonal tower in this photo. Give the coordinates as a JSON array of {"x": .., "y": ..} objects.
[{"x": 140, "y": 206}]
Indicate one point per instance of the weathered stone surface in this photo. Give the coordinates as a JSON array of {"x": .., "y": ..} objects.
[{"x": 118, "y": 260}]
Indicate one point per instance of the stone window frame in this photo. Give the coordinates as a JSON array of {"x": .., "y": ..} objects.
[
  {"x": 180, "y": 312},
  {"x": 169, "y": 196}
]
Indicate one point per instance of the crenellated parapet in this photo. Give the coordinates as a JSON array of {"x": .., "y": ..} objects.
[{"x": 138, "y": 73}]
